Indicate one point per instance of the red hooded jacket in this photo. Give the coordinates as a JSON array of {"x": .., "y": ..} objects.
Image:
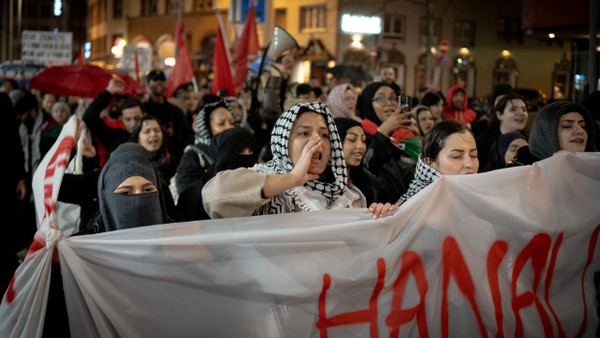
[{"x": 465, "y": 115}]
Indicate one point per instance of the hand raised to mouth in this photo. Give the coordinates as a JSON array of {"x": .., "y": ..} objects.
[{"x": 312, "y": 151}]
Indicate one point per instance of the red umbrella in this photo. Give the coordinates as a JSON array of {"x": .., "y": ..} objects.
[{"x": 82, "y": 80}]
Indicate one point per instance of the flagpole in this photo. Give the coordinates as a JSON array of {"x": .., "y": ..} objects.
[{"x": 225, "y": 38}]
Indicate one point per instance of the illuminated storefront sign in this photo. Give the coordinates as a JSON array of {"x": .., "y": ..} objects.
[{"x": 361, "y": 24}]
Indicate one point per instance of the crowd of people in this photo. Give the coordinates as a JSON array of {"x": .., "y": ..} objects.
[{"x": 277, "y": 149}]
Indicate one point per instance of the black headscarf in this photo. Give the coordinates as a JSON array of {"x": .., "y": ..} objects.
[
  {"x": 543, "y": 138},
  {"x": 365, "y": 104},
  {"x": 499, "y": 148},
  {"x": 128, "y": 211},
  {"x": 226, "y": 147}
]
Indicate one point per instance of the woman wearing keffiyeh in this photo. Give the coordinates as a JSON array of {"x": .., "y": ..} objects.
[
  {"x": 448, "y": 149},
  {"x": 307, "y": 172}
]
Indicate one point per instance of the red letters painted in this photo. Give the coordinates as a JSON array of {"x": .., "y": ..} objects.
[
  {"x": 411, "y": 263},
  {"x": 549, "y": 274},
  {"x": 361, "y": 316},
  {"x": 537, "y": 251},
  {"x": 59, "y": 160},
  {"x": 591, "y": 250},
  {"x": 495, "y": 257},
  {"x": 455, "y": 265}
]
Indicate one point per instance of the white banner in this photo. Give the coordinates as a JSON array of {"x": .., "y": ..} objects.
[
  {"x": 48, "y": 48},
  {"x": 505, "y": 253}
]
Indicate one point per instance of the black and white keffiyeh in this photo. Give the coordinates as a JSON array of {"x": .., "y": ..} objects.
[
  {"x": 203, "y": 133},
  {"x": 424, "y": 176},
  {"x": 315, "y": 194}
]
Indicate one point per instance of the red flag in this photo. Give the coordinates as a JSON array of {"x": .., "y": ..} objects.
[
  {"x": 182, "y": 72},
  {"x": 79, "y": 58},
  {"x": 221, "y": 70},
  {"x": 247, "y": 49}
]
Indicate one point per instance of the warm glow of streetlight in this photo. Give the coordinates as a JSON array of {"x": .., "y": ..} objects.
[
  {"x": 464, "y": 51},
  {"x": 551, "y": 35},
  {"x": 506, "y": 53},
  {"x": 356, "y": 41}
]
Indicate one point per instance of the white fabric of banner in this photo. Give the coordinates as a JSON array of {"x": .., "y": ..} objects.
[
  {"x": 506, "y": 253},
  {"x": 267, "y": 276}
]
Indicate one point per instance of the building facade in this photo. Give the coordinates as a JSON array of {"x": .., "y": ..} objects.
[{"x": 475, "y": 43}]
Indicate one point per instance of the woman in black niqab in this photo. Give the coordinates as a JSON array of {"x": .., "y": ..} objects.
[{"x": 121, "y": 211}]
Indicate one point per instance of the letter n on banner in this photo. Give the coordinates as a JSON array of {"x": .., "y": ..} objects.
[
  {"x": 411, "y": 263},
  {"x": 455, "y": 265},
  {"x": 361, "y": 316}
]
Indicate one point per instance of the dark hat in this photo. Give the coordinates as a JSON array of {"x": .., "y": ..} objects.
[
  {"x": 303, "y": 89},
  {"x": 156, "y": 74}
]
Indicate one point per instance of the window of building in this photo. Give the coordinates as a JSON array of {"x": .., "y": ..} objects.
[
  {"x": 117, "y": 9},
  {"x": 394, "y": 26},
  {"x": 173, "y": 6},
  {"x": 509, "y": 30},
  {"x": 313, "y": 18},
  {"x": 46, "y": 11},
  {"x": 464, "y": 33},
  {"x": 149, "y": 7},
  {"x": 281, "y": 17},
  {"x": 203, "y": 5},
  {"x": 437, "y": 30}
]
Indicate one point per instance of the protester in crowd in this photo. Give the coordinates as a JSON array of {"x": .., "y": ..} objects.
[
  {"x": 448, "y": 149},
  {"x": 307, "y": 172},
  {"x": 483, "y": 124},
  {"x": 111, "y": 134},
  {"x": 504, "y": 150},
  {"x": 32, "y": 123},
  {"x": 435, "y": 104},
  {"x": 561, "y": 125},
  {"x": 48, "y": 100},
  {"x": 9, "y": 85},
  {"x": 592, "y": 103},
  {"x": 342, "y": 101},
  {"x": 148, "y": 133},
  {"x": 175, "y": 127},
  {"x": 276, "y": 89},
  {"x": 389, "y": 143},
  {"x": 13, "y": 190},
  {"x": 425, "y": 119},
  {"x": 61, "y": 112},
  {"x": 213, "y": 119},
  {"x": 231, "y": 149},
  {"x": 15, "y": 95},
  {"x": 354, "y": 145},
  {"x": 388, "y": 76},
  {"x": 129, "y": 192},
  {"x": 510, "y": 116},
  {"x": 456, "y": 106},
  {"x": 240, "y": 114},
  {"x": 187, "y": 100},
  {"x": 306, "y": 92}
]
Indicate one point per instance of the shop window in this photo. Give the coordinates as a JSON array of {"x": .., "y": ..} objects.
[
  {"x": 509, "y": 30},
  {"x": 149, "y": 7},
  {"x": 464, "y": 33},
  {"x": 117, "y": 9},
  {"x": 313, "y": 18},
  {"x": 394, "y": 26},
  {"x": 437, "y": 30}
]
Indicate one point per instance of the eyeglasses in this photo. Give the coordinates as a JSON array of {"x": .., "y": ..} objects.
[{"x": 383, "y": 100}]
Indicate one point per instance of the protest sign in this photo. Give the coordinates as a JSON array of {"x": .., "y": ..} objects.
[{"x": 49, "y": 48}]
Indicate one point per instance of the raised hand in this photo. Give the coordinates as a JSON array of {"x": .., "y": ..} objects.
[{"x": 115, "y": 85}]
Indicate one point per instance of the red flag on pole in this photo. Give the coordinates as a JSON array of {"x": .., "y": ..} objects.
[
  {"x": 221, "y": 69},
  {"x": 79, "y": 59},
  {"x": 182, "y": 72},
  {"x": 247, "y": 49}
]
